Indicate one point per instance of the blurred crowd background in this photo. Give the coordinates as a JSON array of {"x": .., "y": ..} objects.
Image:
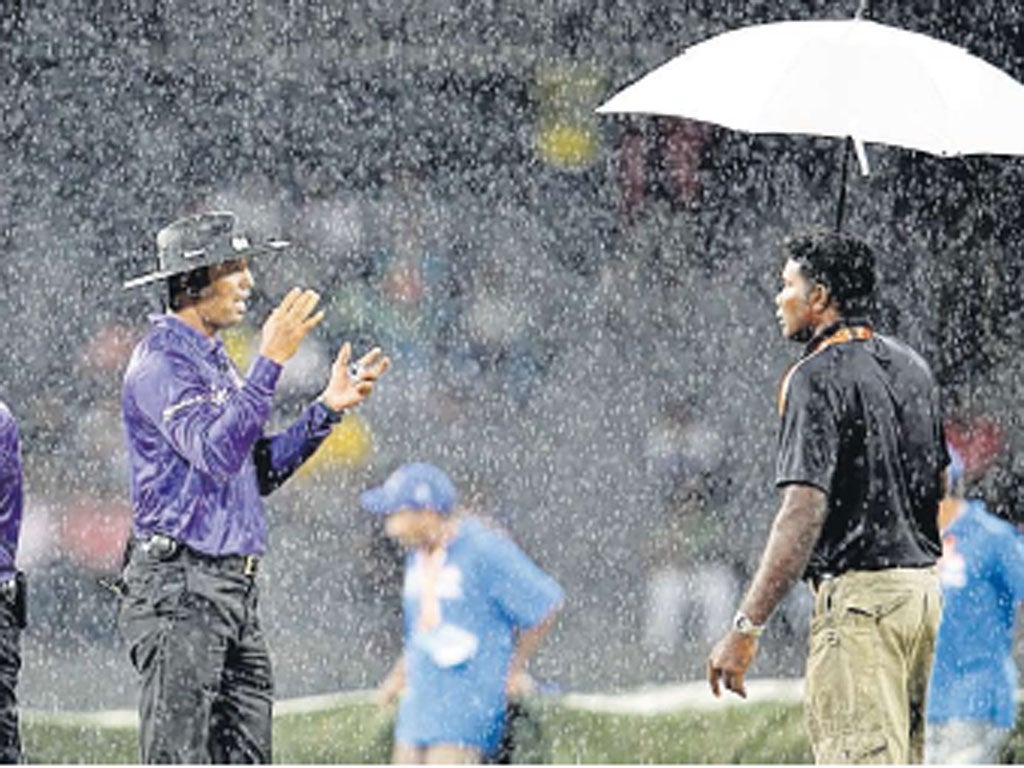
[{"x": 579, "y": 308}]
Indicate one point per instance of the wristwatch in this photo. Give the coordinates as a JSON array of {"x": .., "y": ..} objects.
[{"x": 741, "y": 623}]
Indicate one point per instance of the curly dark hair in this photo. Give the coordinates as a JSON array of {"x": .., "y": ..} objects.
[
  {"x": 183, "y": 290},
  {"x": 842, "y": 263}
]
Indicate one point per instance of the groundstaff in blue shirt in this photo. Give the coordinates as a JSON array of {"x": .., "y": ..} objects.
[
  {"x": 475, "y": 609},
  {"x": 971, "y": 706}
]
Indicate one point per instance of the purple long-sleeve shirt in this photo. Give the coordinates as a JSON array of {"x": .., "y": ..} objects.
[
  {"x": 199, "y": 460},
  {"x": 11, "y": 495}
]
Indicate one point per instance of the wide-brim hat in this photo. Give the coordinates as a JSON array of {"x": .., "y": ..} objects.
[{"x": 201, "y": 240}]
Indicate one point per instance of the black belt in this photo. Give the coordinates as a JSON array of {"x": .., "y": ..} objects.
[
  {"x": 814, "y": 582},
  {"x": 247, "y": 565},
  {"x": 9, "y": 588},
  {"x": 164, "y": 548}
]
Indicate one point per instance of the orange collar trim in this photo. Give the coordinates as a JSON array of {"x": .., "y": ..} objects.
[{"x": 844, "y": 335}]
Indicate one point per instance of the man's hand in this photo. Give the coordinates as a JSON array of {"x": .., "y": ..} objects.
[
  {"x": 794, "y": 533},
  {"x": 729, "y": 661},
  {"x": 346, "y": 388},
  {"x": 288, "y": 325}
]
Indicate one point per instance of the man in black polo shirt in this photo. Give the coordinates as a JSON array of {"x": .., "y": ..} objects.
[{"x": 861, "y": 456}]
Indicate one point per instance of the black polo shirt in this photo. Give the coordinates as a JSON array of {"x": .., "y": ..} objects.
[{"x": 861, "y": 420}]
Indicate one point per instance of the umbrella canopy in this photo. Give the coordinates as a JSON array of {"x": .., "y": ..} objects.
[{"x": 854, "y": 78}]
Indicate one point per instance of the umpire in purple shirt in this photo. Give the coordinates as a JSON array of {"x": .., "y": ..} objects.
[
  {"x": 12, "y": 595},
  {"x": 200, "y": 462}
]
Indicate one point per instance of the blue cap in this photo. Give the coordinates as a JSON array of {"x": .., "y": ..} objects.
[{"x": 411, "y": 486}]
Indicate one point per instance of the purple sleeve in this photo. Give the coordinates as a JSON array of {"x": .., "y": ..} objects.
[
  {"x": 214, "y": 429},
  {"x": 278, "y": 456},
  {"x": 11, "y": 494}
]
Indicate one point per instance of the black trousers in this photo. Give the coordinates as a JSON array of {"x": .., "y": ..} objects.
[
  {"x": 193, "y": 636},
  {"x": 10, "y": 666}
]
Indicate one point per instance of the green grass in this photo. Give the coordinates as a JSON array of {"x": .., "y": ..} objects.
[
  {"x": 51, "y": 740},
  {"x": 349, "y": 729},
  {"x": 758, "y": 733},
  {"x": 354, "y": 732}
]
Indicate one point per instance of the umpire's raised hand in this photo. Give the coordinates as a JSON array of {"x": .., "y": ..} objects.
[
  {"x": 349, "y": 386},
  {"x": 289, "y": 323}
]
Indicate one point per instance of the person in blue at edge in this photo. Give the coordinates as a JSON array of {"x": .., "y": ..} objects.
[
  {"x": 199, "y": 463},
  {"x": 475, "y": 609},
  {"x": 971, "y": 696},
  {"x": 12, "y": 586}
]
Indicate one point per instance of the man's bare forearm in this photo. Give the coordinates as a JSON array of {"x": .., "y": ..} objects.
[{"x": 790, "y": 544}]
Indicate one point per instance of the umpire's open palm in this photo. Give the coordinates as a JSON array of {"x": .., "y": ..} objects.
[
  {"x": 350, "y": 387},
  {"x": 289, "y": 324}
]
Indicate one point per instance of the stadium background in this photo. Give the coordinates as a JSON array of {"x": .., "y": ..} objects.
[{"x": 579, "y": 307}]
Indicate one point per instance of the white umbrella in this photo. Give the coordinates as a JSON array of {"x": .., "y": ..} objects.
[{"x": 853, "y": 78}]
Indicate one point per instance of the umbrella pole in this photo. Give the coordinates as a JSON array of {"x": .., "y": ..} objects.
[{"x": 842, "y": 183}]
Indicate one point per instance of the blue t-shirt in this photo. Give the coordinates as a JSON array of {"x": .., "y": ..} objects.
[
  {"x": 982, "y": 578},
  {"x": 455, "y": 673}
]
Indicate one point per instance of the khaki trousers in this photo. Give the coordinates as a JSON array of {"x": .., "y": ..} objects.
[{"x": 871, "y": 647}]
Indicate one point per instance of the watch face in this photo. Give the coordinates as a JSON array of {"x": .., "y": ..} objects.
[{"x": 745, "y": 626}]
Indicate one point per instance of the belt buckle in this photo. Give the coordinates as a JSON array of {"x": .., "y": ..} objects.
[
  {"x": 817, "y": 582},
  {"x": 160, "y": 546},
  {"x": 250, "y": 565}
]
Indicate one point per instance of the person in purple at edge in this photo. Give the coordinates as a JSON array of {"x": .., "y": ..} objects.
[
  {"x": 971, "y": 704},
  {"x": 475, "y": 609},
  {"x": 12, "y": 586},
  {"x": 199, "y": 463}
]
